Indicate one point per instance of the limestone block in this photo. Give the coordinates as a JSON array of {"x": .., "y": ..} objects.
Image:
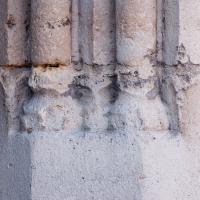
[
  {"x": 14, "y": 26},
  {"x": 86, "y": 166},
  {"x": 167, "y": 169},
  {"x": 50, "y": 32}
]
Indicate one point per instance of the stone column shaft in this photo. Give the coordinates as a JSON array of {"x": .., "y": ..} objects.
[
  {"x": 136, "y": 31},
  {"x": 14, "y": 28},
  {"x": 50, "y": 32},
  {"x": 137, "y": 77}
]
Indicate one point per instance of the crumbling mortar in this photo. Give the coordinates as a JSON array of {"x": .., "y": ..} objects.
[{"x": 181, "y": 77}]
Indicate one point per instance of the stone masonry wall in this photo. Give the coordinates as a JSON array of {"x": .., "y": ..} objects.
[{"x": 99, "y": 100}]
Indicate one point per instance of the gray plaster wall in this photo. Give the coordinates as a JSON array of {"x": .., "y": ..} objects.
[{"x": 99, "y": 100}]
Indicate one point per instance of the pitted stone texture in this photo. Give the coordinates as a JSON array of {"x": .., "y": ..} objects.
[
  {"x": 50, "y": 32},
  {"x": 85, "y": 166},
  {"x": 168, "y": 169},
  {"x": 136, "y": 31},
  {"x": 15, "y": 165},
  {"x": 14, "y": 25}
]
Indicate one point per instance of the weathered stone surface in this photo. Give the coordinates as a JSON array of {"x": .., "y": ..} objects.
[
  {"x": 191, "y": 112},
  {"x": 92, "y": 90},
  {"x": 14, "y": 26},
  {"x": 51, "y": 107},
  {"x": 50, "y": 32},
  {"x": 136, "y": 31},
  {"x": 95, "y": 165},
  {"x": 181, "y": 31},
  {"x": 189, "y": 31},
  {"x": 121, "y": 121},
  {"x": 137, "y": 76},
  {"x": 14, "y": 91}
]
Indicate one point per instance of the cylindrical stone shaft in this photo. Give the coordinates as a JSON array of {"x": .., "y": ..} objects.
[
  {"x": 136, "y": 31},
  {"x": 50, "y": 32},
  {"x": 14, "y": 32}
]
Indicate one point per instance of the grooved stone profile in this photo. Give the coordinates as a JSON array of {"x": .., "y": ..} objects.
[{"x": 99, "y": 99}]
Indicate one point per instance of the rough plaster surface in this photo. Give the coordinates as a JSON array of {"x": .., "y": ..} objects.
[{"x": 99, "y": 100}]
